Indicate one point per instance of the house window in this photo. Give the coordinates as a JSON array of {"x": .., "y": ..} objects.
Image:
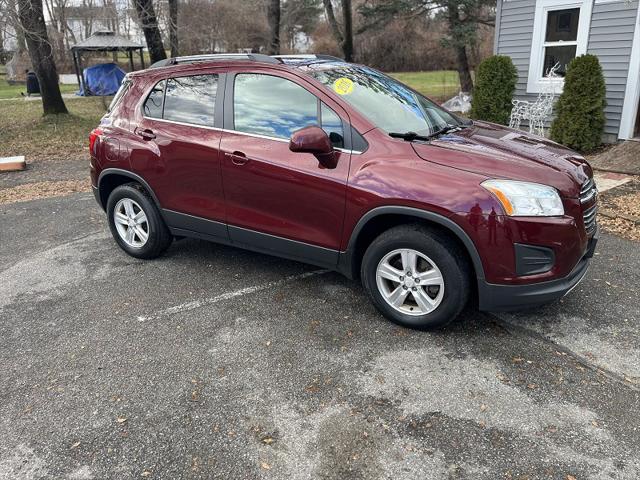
[
  {"x": 561, "y": 39},
  {"x": 560, "y": 33}
]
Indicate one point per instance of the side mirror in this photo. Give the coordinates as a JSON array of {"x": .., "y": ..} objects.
[{"x": 316, "y": 141}]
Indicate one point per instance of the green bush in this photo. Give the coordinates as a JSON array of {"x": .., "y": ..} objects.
[
  {"x": 496, "y": 79},
  {"x": 579, "y": 121}
]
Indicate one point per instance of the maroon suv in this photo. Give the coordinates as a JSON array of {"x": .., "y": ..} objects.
[{"x": 338, "y": 165}]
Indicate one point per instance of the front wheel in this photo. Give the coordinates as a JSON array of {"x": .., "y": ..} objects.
[{"x": 416, "y": 277}]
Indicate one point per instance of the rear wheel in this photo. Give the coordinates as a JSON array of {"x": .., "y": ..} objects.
[
  {"x": 135, "y": 222},
  {"x": 416, "y": 277}
]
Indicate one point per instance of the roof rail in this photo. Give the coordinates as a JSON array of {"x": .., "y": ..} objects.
[
  {"x": 254, "y": 57},
  {"x": 306, "y": 56}
]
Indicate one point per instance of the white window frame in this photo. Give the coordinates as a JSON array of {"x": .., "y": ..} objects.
[{"x": 536, "y": 82}]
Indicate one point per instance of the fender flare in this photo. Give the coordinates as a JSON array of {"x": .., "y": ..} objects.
[
  {"x": 450, "y": 225},
  {"x": 126, "y": 173}
]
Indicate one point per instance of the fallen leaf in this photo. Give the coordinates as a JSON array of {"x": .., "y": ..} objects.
[
  {"x": 145, "y": 473},
  {"x": 121, "y": 419},
  {"x": 483, "y": 407},
  {"x": 571, "y": 477},
  {"x": 268, "y": 440},
  {"x": 265, "y": 466}
]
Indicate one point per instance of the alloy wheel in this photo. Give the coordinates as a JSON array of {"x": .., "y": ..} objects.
[
  {"x": 131, "y": 222},
  {"x": 410, "y": 282}
]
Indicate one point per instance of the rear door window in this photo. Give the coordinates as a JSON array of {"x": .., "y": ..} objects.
[
  {"x": 272, "y": 106},
  {"x": 191, "y": 99},
  {"x": 184, "y": 99}
]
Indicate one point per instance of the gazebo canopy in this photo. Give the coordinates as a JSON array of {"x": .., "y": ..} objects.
[
  {"x": 103, "y": 41},
  {"x": 106, "y": 41}
]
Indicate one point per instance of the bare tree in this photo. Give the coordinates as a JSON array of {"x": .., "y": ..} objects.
[
  {"x": 35, "y": 32},
  {"x": 149, "y": 21},
  {"x": 173, "y": 28},
  {"x": 273, "y": 17},
  {"x": 343, "y": 36}
]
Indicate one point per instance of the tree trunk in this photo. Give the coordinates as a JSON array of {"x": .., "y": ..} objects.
[
  {"x": 466, "y": 83},
  {"x": 35, "y": 32},
  {"x": 173, "y": 28},
  {"x": 147, "y": 16},
  {"x": 347, "y": 43},
  {"x": 333, "y": 23},
  {"x": 273, "y": 16},
  {"x": 462, "y": 60}
]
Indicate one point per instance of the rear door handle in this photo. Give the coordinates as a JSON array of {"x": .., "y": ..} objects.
[
  {"x": 238, "y": 158},
  {"x": 146, "y": 133}
]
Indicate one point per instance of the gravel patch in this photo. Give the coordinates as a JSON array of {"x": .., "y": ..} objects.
[
  {"x": 620, "y": 210},
  {"x": 33, "y": 191}
]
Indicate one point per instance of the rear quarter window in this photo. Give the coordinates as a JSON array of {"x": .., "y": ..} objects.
[
  {"x": 122, "y": 91},
  {"x": 153, "y": 104}
]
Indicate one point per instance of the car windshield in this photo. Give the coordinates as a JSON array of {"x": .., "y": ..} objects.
[{"x": 389, "y": 104}]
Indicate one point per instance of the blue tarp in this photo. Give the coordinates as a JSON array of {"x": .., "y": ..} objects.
[{"x": 103, "y": 79}]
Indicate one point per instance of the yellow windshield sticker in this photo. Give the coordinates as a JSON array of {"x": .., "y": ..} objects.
[{"x": 343, "y": 86}]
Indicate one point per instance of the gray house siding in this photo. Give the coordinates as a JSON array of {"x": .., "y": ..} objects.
[
  {"x": 515, "y": 33},
  {"x": 610, "y": 38}
]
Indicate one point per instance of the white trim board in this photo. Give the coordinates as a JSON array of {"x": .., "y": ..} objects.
[
  {"x": 535, "y": 81},
  {"x": 632, "y": 91}
]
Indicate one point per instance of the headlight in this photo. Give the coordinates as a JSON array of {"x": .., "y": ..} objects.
[{"x": 524, "y": 199}]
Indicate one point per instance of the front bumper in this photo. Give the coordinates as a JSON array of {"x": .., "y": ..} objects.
[{"x": 494, "y": 297}]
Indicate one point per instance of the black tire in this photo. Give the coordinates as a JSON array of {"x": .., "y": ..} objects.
[
  {"x": 438, "y": 247},
  {"x": 159, "y": 237}
]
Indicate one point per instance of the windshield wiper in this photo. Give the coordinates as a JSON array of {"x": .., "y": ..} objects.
[{"x": 411, "y": 136}]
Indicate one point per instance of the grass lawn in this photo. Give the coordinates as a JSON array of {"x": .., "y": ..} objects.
[
  {"x": 24, "y": 130},
  {"x": 438, "y": 85},
  {"x": 13, "y": 91}
]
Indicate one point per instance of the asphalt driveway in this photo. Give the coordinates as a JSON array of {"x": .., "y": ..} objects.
[{"x": 213, "y": 362}]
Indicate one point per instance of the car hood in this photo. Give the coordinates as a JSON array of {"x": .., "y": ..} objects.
[{"x": 500, "y": 152}]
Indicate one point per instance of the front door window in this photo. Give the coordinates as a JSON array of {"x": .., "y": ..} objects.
[{"x": 272, "y": 106}]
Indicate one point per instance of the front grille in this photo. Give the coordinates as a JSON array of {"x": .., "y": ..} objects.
[
  {"x": 589, "y": 192},
  {"x": 589, "y": 217}
]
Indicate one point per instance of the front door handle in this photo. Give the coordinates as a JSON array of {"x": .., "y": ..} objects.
[
  {"x": 238, "y": 158},
  {"x": 145, "y": 133}
]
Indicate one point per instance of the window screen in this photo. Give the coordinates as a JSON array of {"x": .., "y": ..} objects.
[
  {"x": 272, "y": 106},
  {"x": 191, "y": 99}
]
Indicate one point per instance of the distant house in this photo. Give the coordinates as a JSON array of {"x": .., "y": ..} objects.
[{"x": 537, "y": 34}]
